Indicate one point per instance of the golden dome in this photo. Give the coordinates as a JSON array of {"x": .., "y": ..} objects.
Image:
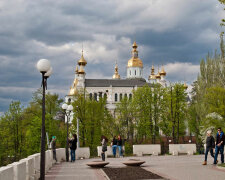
[
  {"x": 73, "y": 88},
  {"x": 158, "y": 76},
  {"x": 134, "y": 62},
  {"x": 185, "y": 86},
  {"x": 116, "y": 74},
  {"x": 82, "y": 61},
  {"x": 162, "y": 73},
  {"x": 152, "y": 77},
  {"x": 152, "y": 70},
  {"x": 81, "y": 70},
  {"x": 134, "y": 45}
]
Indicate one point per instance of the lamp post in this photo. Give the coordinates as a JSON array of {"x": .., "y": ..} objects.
[
  {"x": 67, "y": 109},
  {"x": 44, "y": 66}
]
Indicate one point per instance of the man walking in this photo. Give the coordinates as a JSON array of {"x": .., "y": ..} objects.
[{"x": 220, "y": 138}]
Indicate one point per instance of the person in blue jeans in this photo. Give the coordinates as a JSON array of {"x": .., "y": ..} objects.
[
  {"x": 114, "y": 146},
  {"x": 210, "y": 144},
  {"x": 120, "y": 145},
  {"x": 73, "y": 147},
  {"x": 220, "y": 138}
]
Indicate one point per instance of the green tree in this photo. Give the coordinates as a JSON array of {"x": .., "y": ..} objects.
[{"x": 94, "y": 120}]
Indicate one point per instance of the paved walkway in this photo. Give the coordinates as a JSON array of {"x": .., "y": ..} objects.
[{"x": 170, "y": 167}]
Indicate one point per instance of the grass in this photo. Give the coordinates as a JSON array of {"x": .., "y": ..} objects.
[{"x": 221, "y": 165}]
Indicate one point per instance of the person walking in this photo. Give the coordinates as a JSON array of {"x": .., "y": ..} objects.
[
  {"x": 73, "y": 147},
  {"x": 120, "y": 145},
  {"x": 53, "y": 146},
  {"x": 114, "y": 146},
  {"x": 104, "y": 141},
  {"x": 220, "y": 138},
  {"x": 210, "y": 144}
]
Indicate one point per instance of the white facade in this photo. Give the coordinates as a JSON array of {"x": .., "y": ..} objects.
[{"x": 134, "y": 72}]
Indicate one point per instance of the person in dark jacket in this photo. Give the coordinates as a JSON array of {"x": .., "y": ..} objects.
[
  {"x": 53, "y": 146},
  {"x": 210, "y": 144},
  {"x": 120, "y": 145},
  {"x": 114, "y": 146},
  {"x": 104, "y": 141},
  {"x": 73, "y": 147},
  {"x": 220, "y": 138}
]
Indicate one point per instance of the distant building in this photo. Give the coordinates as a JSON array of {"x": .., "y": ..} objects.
[{"x": 116, "y": 88}]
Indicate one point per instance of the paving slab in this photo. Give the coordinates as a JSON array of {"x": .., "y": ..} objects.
[{"x": 170, "y": 167}]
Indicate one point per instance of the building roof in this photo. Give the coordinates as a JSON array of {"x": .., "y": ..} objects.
[{"x": 115, "y": 82}]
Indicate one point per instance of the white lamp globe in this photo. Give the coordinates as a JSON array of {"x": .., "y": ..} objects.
[
  {"x": 70, "y": 108},
  {"x": 65, "y": 106},
  {"x": 43, "y": 65},
  {"x": 48, "y": 73}
]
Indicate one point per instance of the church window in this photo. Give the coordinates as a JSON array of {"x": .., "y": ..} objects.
[
  {"x": 135, "y": 72},
  {"x": 69, "y": 100},
  {"x": 95, "y": 96},
  {"x": 125, "y": 95},
  {"x": 116, "y": 97},
  {"x": 130, "y": 72},
  {"x": 121, "y": 96},
  {"x": 90, "y": 96},
  {"x": 130, "y": 96}
]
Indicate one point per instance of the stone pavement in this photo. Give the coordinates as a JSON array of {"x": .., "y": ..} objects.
[{"x": 170, "y": 167}]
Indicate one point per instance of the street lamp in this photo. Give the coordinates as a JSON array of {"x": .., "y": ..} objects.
[
  {"x": 44, "y": 66},
  {"x": 67, "y": 109}
]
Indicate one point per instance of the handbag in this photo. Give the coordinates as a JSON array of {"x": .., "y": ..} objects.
[{"x": 104, "y": 148}]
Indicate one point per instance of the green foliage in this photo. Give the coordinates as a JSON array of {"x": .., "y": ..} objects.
[
  {"x": 152, "y": 108},
  {"x": 94, "y": 120},
  {"x": 128, "y": 148},
  {"x": 20, "y": 130},
  {"x": 223, "y": 20},
  {"x": 206, "y": 110}
]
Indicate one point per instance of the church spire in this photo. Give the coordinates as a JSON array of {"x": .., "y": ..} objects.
[
  {"x": 116, "y": 73},
  {"x": 82, "y": 63}
]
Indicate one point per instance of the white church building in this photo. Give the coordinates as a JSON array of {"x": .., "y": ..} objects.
[{"x": 116, "y": 88}]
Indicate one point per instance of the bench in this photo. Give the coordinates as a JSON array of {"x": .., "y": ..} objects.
[
  {"x": 141, "y": 149},
  {"x": 175, "y": 149}
]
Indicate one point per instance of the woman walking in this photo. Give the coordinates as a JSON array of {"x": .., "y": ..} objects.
[
  {"x": 210, "y": 144},
  {"x": 104, "y": 141},
  {"x": 73, "y": 147},
  {"x": 120, "y": 145}
]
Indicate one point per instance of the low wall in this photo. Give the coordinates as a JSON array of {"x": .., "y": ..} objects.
[
  {"x": 83, "y": 152},
  {"x": 29, "y": 168},
  {"x": 30, "y": 171},
  {"x": 175, "y": 149},
  {"x": 109, "y": 151},
  {"x": 6, "y": 172},
  {"x": 154, "y": 149}
]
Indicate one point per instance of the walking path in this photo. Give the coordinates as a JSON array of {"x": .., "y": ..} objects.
[{"x": 170, "y": 167}]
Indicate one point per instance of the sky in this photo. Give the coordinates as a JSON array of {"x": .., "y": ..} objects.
[{"x": 176, "y": 33}]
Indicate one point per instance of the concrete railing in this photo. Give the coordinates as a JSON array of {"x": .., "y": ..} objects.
[
  {"x": 109, "y": 151},
  {"x": 29, "y": 168},
  {"x": 175, "y": 149},
  {"x": 83, "y": 152},
  {"x": 140, "y": 150}
]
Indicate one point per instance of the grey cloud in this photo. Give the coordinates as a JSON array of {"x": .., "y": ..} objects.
[{"x": 165, "y": 32}]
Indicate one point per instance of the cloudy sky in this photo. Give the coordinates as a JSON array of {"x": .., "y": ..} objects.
[{"x": 177, "y": 33}]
